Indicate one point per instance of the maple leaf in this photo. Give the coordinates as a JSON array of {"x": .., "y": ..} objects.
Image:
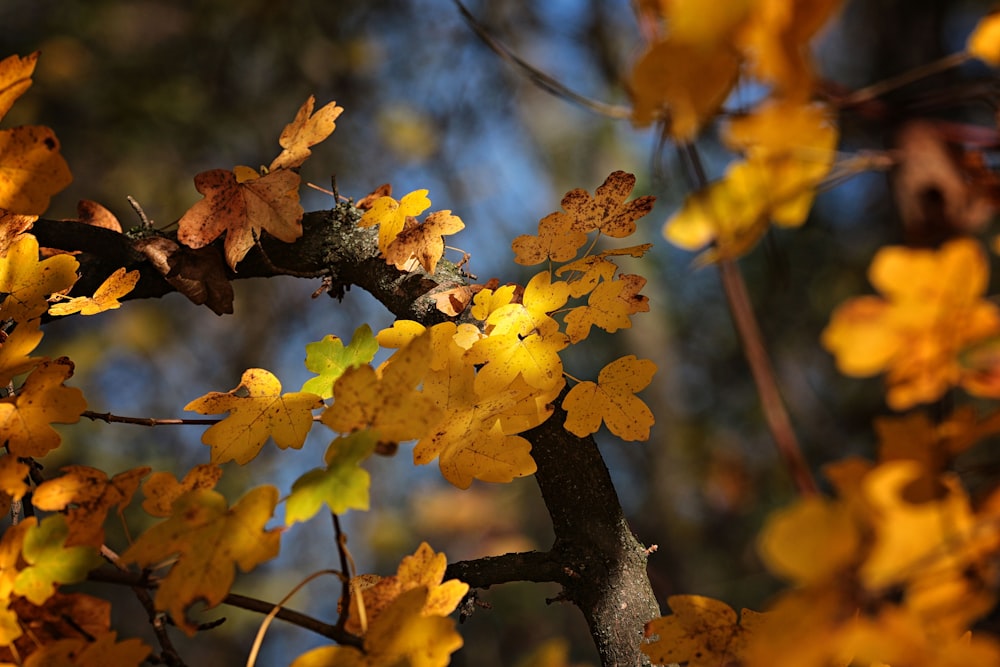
[
  {"x": 612, "y": 399},
  {"x": 342, "y": 485},
  {"x": 209, "y": 541},
  {"x": 11, "y": 226},
  {"x": 241, "y": 205},
  {"x": 423, "y": 569},
  {"x": 49, "y": 561},
  {"x": 12, "y": 476},
  {"x": 683, "y": 83},
  {"x": 701, "y": 632},
  {"x": 15, "y": 79},
  {"x": 329, "y": 358},
  {"x": 388, "y": 403},
  {"x": 99, "y": 651},
  {"x": 117, "y": 285},
  {"x": 811, "y": 541},
  {"x": 541, "y": 296},
  {"x": 307, "y": 130},
  {"x": 162, "y": 488},
  {"x": 94, "y": 214},
  {"x": 556, "y": 240},
  {"x": 423, "y": 240},
  {"x": 200, "y": 275},
  {"x": 62, "y": 615},
  {"x": 257, "y": 411},
  {"x": 607, "y": 211},
  {"x": 91, "y": 494},
  {"x": 608, "y": 307},
  {"x": 931, "y": 310},
  {"x": 43, "y": 400},
  {"x": 31, "y": 169},
  {"x": 489, "y": 300},
  {"x": 401, "y": 635},
  {"x": 506, "y": 356},
  {"x": 390, "y": 215},
  {"x": 29, "y": 282}
]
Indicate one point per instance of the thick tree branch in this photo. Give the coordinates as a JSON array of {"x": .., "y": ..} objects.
[{"x": 595, "y": 557}]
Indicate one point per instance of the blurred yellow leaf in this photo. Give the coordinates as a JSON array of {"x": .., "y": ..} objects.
[
  {"x": 307, "y": 130},
  {"x": 100, "y": 651},
  {"x": 257, "y": 411},
  {"x": 162, "y": 488},
  {"x": 701, "y": 632},
  {"x": 117, "y": 285},
  {"x": 49, "y": 561},
  {"x": 205, "y": 541},
  {"x": 984, "y": 42},
  {"x": 15, "y": 78},
  {"x": 31, "y": 169}
]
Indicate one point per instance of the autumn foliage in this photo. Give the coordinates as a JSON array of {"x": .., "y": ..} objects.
[{"x": 896, "y": 565}]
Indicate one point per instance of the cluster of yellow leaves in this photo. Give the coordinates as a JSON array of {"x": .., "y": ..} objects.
[
  {"x": 243, "y": 202},
  {"x": 31, "y": 168},
  {"x": 403, "y": 239},
  {"x": 402, "y": 619},
  {"x": 931, "y": 310}
]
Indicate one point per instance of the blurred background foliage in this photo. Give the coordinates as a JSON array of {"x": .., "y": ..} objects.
[{"x": 145, "y": 94}]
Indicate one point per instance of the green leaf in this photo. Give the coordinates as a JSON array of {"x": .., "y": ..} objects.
[
  {"x": 329, "y": 358},
  {"x": 342, "y": 485},
  {"x": 50, "y": 562}
]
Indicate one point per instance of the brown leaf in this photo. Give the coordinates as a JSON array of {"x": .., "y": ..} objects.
[
  {"x": 365, "y": 203},
  {"x": 12, "y": 224},
  {"x": 93, "y": 214},
  {"x": 200, "y": 274},
  {"x": 242, "y": 204},
  {"x": 62, "y": 615}
]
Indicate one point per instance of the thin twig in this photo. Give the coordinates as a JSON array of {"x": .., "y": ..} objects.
[
  {"x": 757, "y": 357},
  {"x": 539, "y": 78},
  {"x": 875, "y": 90},
  {"x": 144, "y": 421},
  {"x": 347, "y": 567}
]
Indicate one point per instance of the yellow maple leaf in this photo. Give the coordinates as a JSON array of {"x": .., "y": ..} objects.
[
  {"x": 423, "y": 569},
  {"x": 390, "y": 215},
  {"x": 506, "y": 356},
  {"x": 31, "y": 169},
  {"x": 811, "y": 541},
  {"x": 684, "y": 83},
  {"x": 541, "y": 296},
  {"x": 307, "y": 130},
  {"x": 423, "y": 240},
  {"x": 613, "y": 400},
  {"x": 401, "y": 635},
  {"x": 931, "y": 309},
  {"x": 241, "y": 203},
  {"x": 162, "y": 488},
  {"x": 10, "y": 557},
  {"x": 608, "y": 307},
  {"x": 12, "y": 476},
  {"x": 488, "y": 300},
  {"x": 388, "y": 403},
  {"x": 29, "y": 282},
  {"x": 556, "y": 241},
  {"x": 257, "y": 411},
  {"x": 49, "y": 561},
  {"x": 43, "y": 400},
  {"x": 984, "y": 42},
  {"x": 607, "y": 211},
  {"x": 117, "y": 285},
  {"x": 91, "y": 495},
  {"x": 205, "y": 541},
  {"x": 701, "y": 632},
  {"x": 15, "y": 79}
]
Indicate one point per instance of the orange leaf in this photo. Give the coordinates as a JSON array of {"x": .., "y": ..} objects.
[
  {"x": 307, "y": 130},
  {"x": 556, "y": 240},
  {"x": 31, "y": 169},
  {"x": 15, "y": 78},
  {"x": 162, "y": 488},
  {"x": 25, "y": 419},
  {"x": 612, "y": 400},
  {"x": 423, "y": 241},
  {"x": 242, "y": 206},
  {"x": 608, "y": 307},
  {"x": 117, "y": 285},
  {"x": 607, "y": 211},
  {"x": 93, "y": 214},
  {"x": 702, "y": 632}
]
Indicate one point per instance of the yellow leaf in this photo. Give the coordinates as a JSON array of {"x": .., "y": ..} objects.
[
  {"x": 424, "y": 569},
  {"x": 608, "y": 307},
  {"x": 242, "y": 206},
  {"x": 43, "y": 400},
  {"x": 612, "y": 400},
  {"x": 389, "y": 404},
  {"x": 702, "y": 632},
  {"x": 556, "y": 241},
  {"x": 390, "y": 215},
  {"x": 12, "y": 477},
  {"x": 506, "y": 356},
  {"x": 117, "y": 285},
  {"x": 258, "y": 411},
  {"x": 205, "y": 542},
  {"x": 307, "y": 130},
  {"x": 932, "y": 309},
  {"x": 162, "y": 488},
  {"x": 541, "y": 297},
  {"x": 487, "y": 301},
  {"x": 684, "y": 83},
  {"x": 91, "y": 495},
  {"x": 400, "y": 636},
  {"x": 11, "y": 226},
  {"x": 50, "y": 562},
  {"x": 811, "y": 541},
  {"x": 983, "y": 43},
  {"x": 101, "y": 651},
  {"x": 29, "y": 282},
  {"x": 31, "y": 169},
  {"x": 424, "y": 241},
  {"x": 15, "y": 78}
]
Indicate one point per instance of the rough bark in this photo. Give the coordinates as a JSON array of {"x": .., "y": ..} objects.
[{"x": 595, "y": 556}]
